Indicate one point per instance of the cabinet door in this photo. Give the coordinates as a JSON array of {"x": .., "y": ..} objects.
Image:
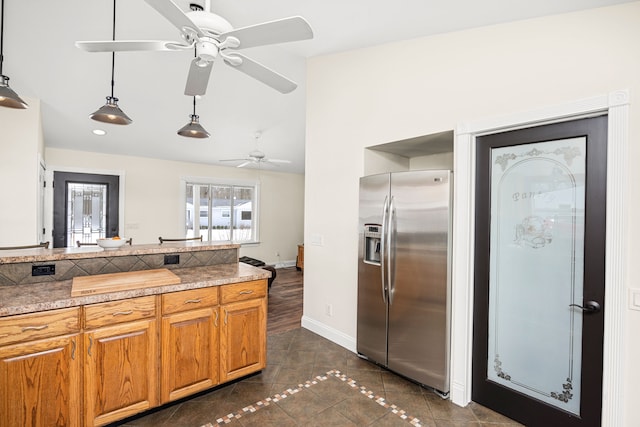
[
  {"x": 120, "y": 371},
  {"x": 243, "y": 339},
  {"x": 189, "y": 352},
  {"x": 40, "y": 383}
]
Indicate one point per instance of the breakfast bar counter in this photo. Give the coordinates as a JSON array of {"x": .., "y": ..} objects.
[{"x": 79, "y": 325}]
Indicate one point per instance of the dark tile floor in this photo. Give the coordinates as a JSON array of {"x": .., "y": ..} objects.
[{"x": 310, "y": 381}]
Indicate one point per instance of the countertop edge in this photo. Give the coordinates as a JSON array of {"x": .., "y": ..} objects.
[{"x": 57, "y": 295}]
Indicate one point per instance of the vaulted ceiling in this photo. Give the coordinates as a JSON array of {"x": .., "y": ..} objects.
[{"x": 42, "y": 61}]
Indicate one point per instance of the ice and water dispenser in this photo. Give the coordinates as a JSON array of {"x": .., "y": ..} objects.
[{"x": 372, "y": 236}]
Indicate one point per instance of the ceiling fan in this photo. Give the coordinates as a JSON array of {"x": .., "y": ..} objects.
[
  {"x": 212, "y": 35},
  {"x": 255, "y": 157}
]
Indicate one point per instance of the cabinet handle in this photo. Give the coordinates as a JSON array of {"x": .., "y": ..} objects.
[
  {"x": 215, "y": 322},
  {"x": 226, "y": 316},
  {"x": 73, "y": 349},
  {"x": 90, "y": 345},
  {"x": 123, "y": 313},
  {"x": 193, "y": 301},
  {"x": 246, "y": 292},
  {"x": 34, "y": 328}
]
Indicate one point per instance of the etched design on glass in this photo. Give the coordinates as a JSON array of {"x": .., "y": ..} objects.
[
  {"x": 568, "y": 153},
  {"x": 536, "y": 265},
  {"x": 565, "y": 395},
  {"x": 534, "y": 231},
  {"x": 498, "y": 367}
]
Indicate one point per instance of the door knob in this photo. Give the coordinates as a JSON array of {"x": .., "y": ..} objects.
[{"x": 589, "y": 307}]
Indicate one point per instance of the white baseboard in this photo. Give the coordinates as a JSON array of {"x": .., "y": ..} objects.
[{"x": 329, "y": 333}]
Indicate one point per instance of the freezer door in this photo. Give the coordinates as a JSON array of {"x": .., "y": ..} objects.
[
  {"x": 418, "y": 342},
  {"x": 372, "y": 309}
]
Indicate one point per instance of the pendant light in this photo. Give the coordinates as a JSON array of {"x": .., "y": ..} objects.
[
  {"x": 193, "y": 129},
  {"x": 110, "y": 112},
  {"x": 8, "y": 98}
]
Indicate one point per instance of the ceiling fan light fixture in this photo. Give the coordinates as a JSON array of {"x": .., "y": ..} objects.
[
  {"x": 193, "y": 129},
  {"x": 8, "y": 98},
  {"x": 111, "y": 113}
]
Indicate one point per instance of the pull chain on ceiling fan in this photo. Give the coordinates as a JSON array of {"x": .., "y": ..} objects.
[
  {"x": 8, "y": 98},
  {"x": 110, "y": 112}
]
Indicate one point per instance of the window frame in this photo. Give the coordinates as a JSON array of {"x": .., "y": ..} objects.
[{"x": 198, "y": 180}]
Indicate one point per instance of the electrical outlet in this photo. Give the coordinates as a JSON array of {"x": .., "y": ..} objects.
[
  {"x": 171, "y": 259},
  {"x": 277, "y": 253},
  {"x": 43, "y": 270},
  {"x": 328, "y": 310}
]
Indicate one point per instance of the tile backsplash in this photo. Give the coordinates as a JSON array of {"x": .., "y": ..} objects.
[{"x": 21, "y": 273}]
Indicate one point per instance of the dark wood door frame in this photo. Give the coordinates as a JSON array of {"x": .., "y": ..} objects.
[
  {"x": 60, "y": 181},
  {"x": 594, "y": 264}
]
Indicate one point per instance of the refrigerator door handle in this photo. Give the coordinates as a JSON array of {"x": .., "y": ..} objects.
[
  {"x": 391, "y": 248},
  {"x": 383, "y": 246}
]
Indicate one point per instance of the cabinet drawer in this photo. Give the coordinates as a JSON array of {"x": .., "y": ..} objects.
[
  {"x": 108, "y": 313},
  {"x": 243, "y": 291},
  {"x": 175, "y": 302},
  {"x": 33, "y": 326}
]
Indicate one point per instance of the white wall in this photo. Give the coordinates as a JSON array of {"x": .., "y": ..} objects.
[
  {"x": 402, "y": 90},
  {"x": 20, "y": 150},
  {"x": 152, "y": 191}
]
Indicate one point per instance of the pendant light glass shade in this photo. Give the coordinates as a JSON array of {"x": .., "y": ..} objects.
[
  {"x": 111, "y": 113},
  {"x": 8, "y": 98},
  {"x": 193, "y": 129}
]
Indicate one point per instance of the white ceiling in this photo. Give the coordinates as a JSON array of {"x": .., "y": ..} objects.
[{"x": 42, "y": 62}]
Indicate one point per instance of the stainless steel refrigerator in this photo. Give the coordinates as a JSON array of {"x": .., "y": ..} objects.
[{"x": 404, "y": 274}]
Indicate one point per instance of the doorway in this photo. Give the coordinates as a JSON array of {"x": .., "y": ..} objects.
[
  {"x": 540, "y": 272},
  {"x": 85, "y": 207}
]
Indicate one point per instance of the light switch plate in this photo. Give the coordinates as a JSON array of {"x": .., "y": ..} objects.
[{"x": 634, "y": 298}]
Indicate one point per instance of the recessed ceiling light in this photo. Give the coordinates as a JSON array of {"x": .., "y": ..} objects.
[{"x": 99, "y": 132}]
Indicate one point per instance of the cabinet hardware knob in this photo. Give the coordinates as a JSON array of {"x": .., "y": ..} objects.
[
  {"x": 193, "y": 301},
  {"x": 246, "y": 292},
  {"x": 123, "y": 313},
  {"x": 73, "y": 349},
  {"x": 34, "y": 328},
  {"x": 90, "y": 345},
  {"x": 226, "y": 316},
  {"x": 215, "y": 322}
]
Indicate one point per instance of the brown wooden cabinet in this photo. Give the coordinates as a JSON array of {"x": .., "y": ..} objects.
[
  {"x": 189, "y": 360},
  {"x": 40, "y": 379},
  {"x": 243, "y": 339},
  {"x": 120, "y": 376},
  {"x": 100, "y": 363}
]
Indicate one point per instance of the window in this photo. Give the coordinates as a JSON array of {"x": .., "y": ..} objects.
[{"x": 226, "y": 212}]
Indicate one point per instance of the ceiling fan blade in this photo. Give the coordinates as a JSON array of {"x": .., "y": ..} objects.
[
  {"x": 277, "y": 161},
  {"x": 198, "y": 78},
  {"x": 129, "y": 45},
  {"x": 175, "y": 15},
  {"x": 241, "y": 165},
  {"x": 235, "y": 160},
  {"x": 260, "y": 72},
  {"x": 280, "y": 31}
]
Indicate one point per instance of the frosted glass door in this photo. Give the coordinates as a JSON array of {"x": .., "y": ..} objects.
[{"x": 536, "y": 270}]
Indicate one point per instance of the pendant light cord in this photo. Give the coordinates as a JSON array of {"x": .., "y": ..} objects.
[
  {"x": 113, "y": 54},
  {"x": 1, "y": 36}
]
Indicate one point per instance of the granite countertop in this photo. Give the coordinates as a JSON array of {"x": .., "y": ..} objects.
[
  {"x": 41, "y": 254},
  {"x": 29, "y": 298}
]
